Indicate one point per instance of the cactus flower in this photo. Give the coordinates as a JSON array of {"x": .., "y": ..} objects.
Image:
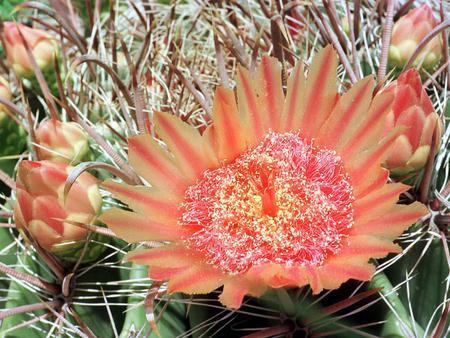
[
  {"x": 279, "y": 191},
  {"x": 407, "y": 33},
  {"x": 42, "y": 45},
  {"x": 413, "y": 109},
  {"x": 61, "y": 141},
  {"x": 5, "y": 93},
  {"x": 40, "y": 207}
]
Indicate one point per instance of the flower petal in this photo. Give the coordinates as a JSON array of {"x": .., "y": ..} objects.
[
  {"x": 277, "y": 276},
  {"x": 296, "y": 87},
  {"x": 364, "y": 168},
  {"x": 318, "y": 100},
  {"x": 44, "y": 234},
  {"x": 314, "y": 279},
  {"x": 269, "y": 90},
  {"x": 197, "y": 279},
  {"x": 47, "y": 209},
  {"x": 174, "y": 256},
  {"x": 413, "y": 119},
  {"x": 236, "y": 288},
  {"x": 378, "y": 202},
  {"x": 24, "y": 202},
  {"x": 400, "y": 154},
  {"x": 145, "y": 200},
  {"x": 352, "y": 262},
  {"x": 428, "y": 129},
  {"x": 248, "y": 107},
  {"x": 333, "y": 275},
  {"x": 155, "y": 165},
  {"x": 406, "y": 96},
  {"x": 371, "y": 129},
  {"x": 229, "y": 135},
  {"x": 160, "y": 273},
  {"x": 347, "y": 114},
  {"x": 360, "y": 248},
  {"x": 135, "y": 228},
  {"x": 192, "y": 152},
  {"x": 418, "y": 158},
  {"x": 260, "y": 98},
  {"x": 210, "y": 137},
  {"x": 393, "y": 223}
]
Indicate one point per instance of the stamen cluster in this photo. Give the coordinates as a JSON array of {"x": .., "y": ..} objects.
[{"x": 286, "y": 201}]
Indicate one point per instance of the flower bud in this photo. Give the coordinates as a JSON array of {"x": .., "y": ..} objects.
[
  {"x": 42, "y": 210},
  {"x": 408, "y": 32},
  {"x": 42, "y": 45},
  {"x": 61, "y": 141},
  {"x": 5, "y": 93},
  {"x": 413, "y": 109}
]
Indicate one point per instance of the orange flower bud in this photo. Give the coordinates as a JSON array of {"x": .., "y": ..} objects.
[
  {"x": 413, "y": 109},
  {"x": 5, "y": 93},
  {"x": 61, "y": 141},
  {"x": 407, "y": 33},
  {"x": 41, "y": 44},
  {"x": 41, "y": 208}
]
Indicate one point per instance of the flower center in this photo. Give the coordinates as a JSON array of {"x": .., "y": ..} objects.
[{"x": 286, "y": 201}]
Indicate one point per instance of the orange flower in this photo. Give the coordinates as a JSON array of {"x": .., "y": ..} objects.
[
  {"x": 40, "y": 206},
  {"x": 413, "y": 109},
  {"x": 280, "y": 191},
  {"x": 408, "y": 32},
  {"x": 5, "y": 93},
  {"x": 41, "y": 44},
  {"x": 61, "y": 141}
]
